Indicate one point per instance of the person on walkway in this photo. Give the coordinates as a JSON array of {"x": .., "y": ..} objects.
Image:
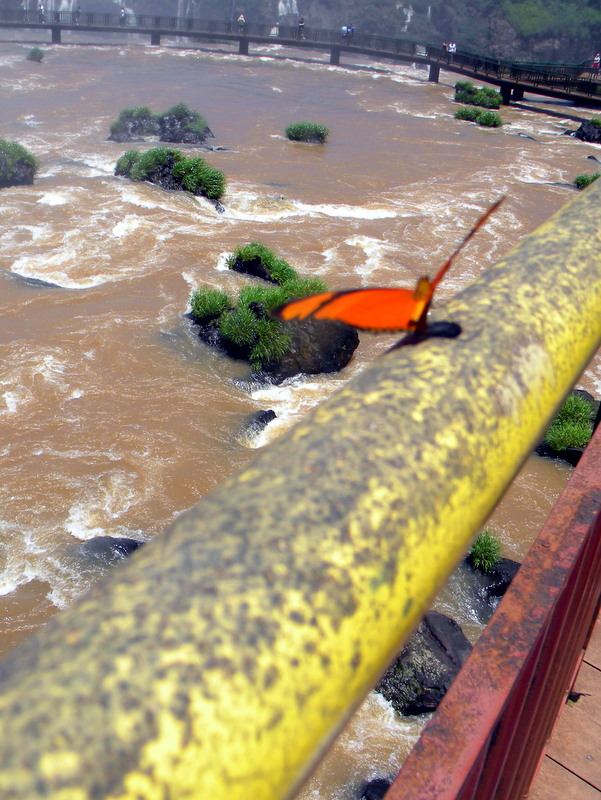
[
  {"x": 41, "y": 13},
  {"x": 596, "y": 62},
  {"x": 122, "y": 15},
  {"x": 344, "y": 31},
  {"x": 77, "y": 14},
  {"x": 241, "y": 23},
  {"x": 301, "y": 28}
]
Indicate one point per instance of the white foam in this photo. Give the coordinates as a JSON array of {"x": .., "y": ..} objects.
[
  {"x": 53, "y": 199},
  {"x": 126, "y": 226},
  {"x": 346, "y": 211}
]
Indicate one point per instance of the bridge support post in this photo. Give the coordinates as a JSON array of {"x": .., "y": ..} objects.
[
  {"x": 56, "y": 35},
  {"x": 155, "y": 37},
  {"x": 243, "y": 49},
  {"x": 335, "y": 56},
  {"x": 517, "y": 93},
  {"x": 434, "y": 73},
  {"x": 505, "y": 90}
]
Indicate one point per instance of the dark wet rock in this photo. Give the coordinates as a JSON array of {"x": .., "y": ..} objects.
[
  {"x": 257, "y": 422},
  {"x": 376, "y": 789},
  {"x": 107, "y": 550},
  {"x": 594, "y": 158},
  {"x": 317, "y": 346},
  {"x": 571, "y": 455},
  {"x": 33, "y": 282},
  {"x": 487, "y": 587},
  {"x": 426, "y": 666},
  {"x": 178, "y": 128},
  {"x": 253, "y": 267},
  {"x": 588, "y": 132},
  {"x": 19, "y": 172},
  {"x": 134, "y": 129}
]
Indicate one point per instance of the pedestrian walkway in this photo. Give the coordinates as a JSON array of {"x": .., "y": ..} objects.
[{"x": 571, "y": 767}]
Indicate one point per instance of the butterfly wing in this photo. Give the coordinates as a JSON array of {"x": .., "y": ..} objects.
[{"x": 387, "y": 309}]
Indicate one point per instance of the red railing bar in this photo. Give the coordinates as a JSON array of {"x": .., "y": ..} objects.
[{"x": 487, "y": 737}]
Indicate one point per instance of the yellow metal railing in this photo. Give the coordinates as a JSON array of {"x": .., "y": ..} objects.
[{"x": 223, "y": 657}]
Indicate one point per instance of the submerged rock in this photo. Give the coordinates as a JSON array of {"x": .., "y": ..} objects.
[
  {"x": 257, "y": 422},
  {"x": 426, "y": 666},
  {"x": 376, "y": 789},
  {"x": 107, "y": 550},
  {"x": 588, "y": 132}
]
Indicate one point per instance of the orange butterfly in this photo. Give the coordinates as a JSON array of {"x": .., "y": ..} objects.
[{"x": 386, "y": 309}]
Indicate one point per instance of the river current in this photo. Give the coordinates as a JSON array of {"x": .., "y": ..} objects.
[{"x": 114, "y": 417}]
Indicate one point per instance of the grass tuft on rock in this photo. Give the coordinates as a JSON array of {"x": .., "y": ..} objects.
[
  {"x": 486, "y": 551},
  {"x": 208, "y": 304},
  {"x": 307, "y": 132},
  {"x": 466, "y": 92},
  {"x": 170, "y": 169},
  {"x": 582, "y": 181},
  {"x": 17, "y": 165},
  {"x": 488, "y": 119},
  {"x": 573, "y": 424},
  {"x": 245, "y": 325},
  {"x": 36, "y": 54}
]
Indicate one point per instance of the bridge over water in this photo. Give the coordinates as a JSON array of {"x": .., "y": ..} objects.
[{"x": 574, "y": 82}]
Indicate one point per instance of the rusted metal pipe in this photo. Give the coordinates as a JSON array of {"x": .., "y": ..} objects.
[{"x": 225, "y": 655}]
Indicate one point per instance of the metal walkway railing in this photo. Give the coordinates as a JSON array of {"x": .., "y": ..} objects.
[
  {"x": 222, "y": 658},
  {"x": 567, "y": 79}
]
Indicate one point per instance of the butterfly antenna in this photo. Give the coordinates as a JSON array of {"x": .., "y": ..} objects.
[{"x": 478, "y": 225}]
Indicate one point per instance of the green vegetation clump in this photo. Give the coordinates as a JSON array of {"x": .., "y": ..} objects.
[
  {"x": 466, "y": 92},
  {"x": 573, "y": 425},
  {"x": 170, "y": 169},
  {"x": 257, "y": 259},
  {"x": 596, "y": 122},
  {"x": 178, "y": 124},
  {"x": 246, "y": 328},
  {"x": 488, "y": 119},
  {"x": 17, "y": 165},
  {"x": 208, "y": 304},
  {"x": 307, "y": 132},
  {"x": 582, "y": 181},
  {"x": 486, "y": 551},
  {"x": 137, "y": 121},
  {"x": 35, "y": 54},
  {"x": 185, "y": 116}
]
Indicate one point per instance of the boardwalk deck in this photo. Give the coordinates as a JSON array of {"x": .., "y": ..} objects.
[{"x": 571, "y": 766}]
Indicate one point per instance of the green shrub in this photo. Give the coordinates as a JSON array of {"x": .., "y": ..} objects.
[
  {"x": 192, "y": 119},
  {"x": 248, "y": 328},
  {"x": 35, "y": 54},
  {"x": 489, "y": 119},
  {"x": 582, "y": 181},
  {"x": 469, "y": 114},
  {"x": 126, "y": 162},
  {"x": 208, "y": 304},
  {"x": 17, "y": 164},
  {"x": 486, "y": 551},
  {"x": 166, "y": 166},
  {"x": 277, "y": 268},
  {"x": 139, "y": 120},
  {"x": 307, "y": 132},
  {"x": 466, "y": 92},
  {"x": 596, "y": 122},
  {"x": 573, "y": 424},
  {"x": 302, "y": 287}
]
